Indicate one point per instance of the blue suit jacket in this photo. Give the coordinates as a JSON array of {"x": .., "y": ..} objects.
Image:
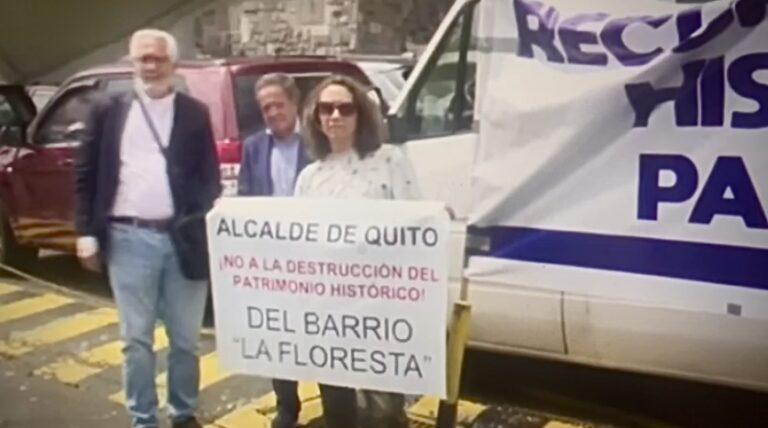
[{"x": 255, "y": 177}]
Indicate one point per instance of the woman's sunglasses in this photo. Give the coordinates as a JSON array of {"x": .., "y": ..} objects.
[{"x": 345, "y": 109}]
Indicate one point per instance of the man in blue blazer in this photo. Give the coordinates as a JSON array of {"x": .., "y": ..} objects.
[{"x": 272, "y": 160}]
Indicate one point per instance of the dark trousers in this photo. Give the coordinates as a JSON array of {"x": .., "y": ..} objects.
[
  {"x": 339, "y": 405},
  {"x": 288, "y": 403},
  {"x": 383, "y": 410}
]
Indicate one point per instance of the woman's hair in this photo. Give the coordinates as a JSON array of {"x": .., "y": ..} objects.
[{"x": 370, "y": 128}]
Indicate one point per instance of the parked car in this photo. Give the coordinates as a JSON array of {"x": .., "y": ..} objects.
[
  {"x": 36, "y": 166},
  {"x": 16, "y": 111}
]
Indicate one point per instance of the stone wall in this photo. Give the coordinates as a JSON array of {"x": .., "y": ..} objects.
[
  {"x": 380, "y": 28},
  {"x": 296, "y": 26},
  {"x": 257, "y": 27}
]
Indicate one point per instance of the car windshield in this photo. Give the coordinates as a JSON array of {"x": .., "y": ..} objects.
[{"x": 249, "y": 117}]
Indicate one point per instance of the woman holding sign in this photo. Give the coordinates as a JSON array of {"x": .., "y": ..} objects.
[{"x": 344, "y": 131}]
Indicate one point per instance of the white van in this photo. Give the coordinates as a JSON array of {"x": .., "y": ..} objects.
[{"x": 700, "y": 330}]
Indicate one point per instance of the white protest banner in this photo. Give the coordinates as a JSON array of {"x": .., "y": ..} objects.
[
  {"x": 350, "y": 293},
  {"x": 624, "y": 141}
]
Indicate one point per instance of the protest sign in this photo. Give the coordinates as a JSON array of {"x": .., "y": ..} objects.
[{"x": 350, "y": 293}]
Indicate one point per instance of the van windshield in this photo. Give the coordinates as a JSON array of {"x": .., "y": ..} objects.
[{"x": 249, "y": 117}]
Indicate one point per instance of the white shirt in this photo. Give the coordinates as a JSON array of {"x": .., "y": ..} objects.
[
  {"x": 143, "y": 189},
  {"x": 282, "y": 164},
  {"x": 383, "y": 174}
]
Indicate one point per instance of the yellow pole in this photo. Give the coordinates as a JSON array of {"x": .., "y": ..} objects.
[{"x": 458, "y": 335}]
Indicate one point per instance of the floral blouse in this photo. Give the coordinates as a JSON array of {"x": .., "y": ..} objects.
[{"x": 383, "y": 174}]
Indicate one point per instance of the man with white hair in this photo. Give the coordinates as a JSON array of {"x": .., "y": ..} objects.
[{"x": 149, "y": 160}]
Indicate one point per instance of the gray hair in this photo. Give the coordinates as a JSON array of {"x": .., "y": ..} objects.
[
  {"x": 281, "y": 80},
  {"x": 171, "y": 46}
]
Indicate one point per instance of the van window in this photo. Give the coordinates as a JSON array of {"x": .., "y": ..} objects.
[
  {"x": 249, "y": 119},
  {"x": 442, "y": 101}
]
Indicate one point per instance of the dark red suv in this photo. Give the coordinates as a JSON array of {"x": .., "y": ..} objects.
[{"x": 36, "y": 163}]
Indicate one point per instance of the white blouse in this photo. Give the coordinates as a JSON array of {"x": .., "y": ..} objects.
[{"x": 383, "y": 174}]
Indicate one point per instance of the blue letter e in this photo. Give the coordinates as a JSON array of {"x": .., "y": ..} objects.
[{"x": 651, "y": 193}]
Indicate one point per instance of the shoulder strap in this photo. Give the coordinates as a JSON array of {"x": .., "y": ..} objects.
[{"x": 151, "y": 125}]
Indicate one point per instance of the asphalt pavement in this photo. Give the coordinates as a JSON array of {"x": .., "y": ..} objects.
[
  {"x": 60, "y": 361},
  {"x": 30, "y": 401},
  {"x": 60, "y": 367}
]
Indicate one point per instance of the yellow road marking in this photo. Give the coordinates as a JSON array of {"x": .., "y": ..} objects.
[
  {"x": 31, "y": 306},
  {"x": 57, "y": 331},
  {"x": 245, "y": 416},
  {"x": 8, "y": 288},
  {"x": 68, "y": 371},
  {"x": 310, "y": 410},
  {"x": 259, "y": 412},
  {"x": 267, "y": 403},
  {"x": 209, "y": 374},
  {"x": 425, "y": 410},
  {"x": 560, "y": 424},
  {"x": 209, "y": 370},
  {"x": 73, "y": 370}
]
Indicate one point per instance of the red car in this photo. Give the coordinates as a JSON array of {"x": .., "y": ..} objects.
[{"x": 36, "y": 163}]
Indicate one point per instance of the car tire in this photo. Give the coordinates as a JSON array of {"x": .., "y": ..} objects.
[{"x": 11, "y": 253}]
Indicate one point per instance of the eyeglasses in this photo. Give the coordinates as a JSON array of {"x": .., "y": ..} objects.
[
  {"x": 345, "y": 109},
  {"x": 157, "y": 59}
]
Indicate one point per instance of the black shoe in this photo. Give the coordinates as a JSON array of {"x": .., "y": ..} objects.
[
  {"x": 188, "y": 423},
  {"x": 283, "y": 421}
]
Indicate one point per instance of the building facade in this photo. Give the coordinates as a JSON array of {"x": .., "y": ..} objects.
[{"x": 325, "y": 27}]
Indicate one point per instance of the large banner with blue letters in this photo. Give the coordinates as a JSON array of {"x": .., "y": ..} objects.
[{"x": 624, "y": 142}]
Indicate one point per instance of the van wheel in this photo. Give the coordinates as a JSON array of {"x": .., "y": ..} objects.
[{"x": 11, "y": 253}]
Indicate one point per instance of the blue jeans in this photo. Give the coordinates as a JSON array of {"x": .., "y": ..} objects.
[{"x": 148, "y": 285}]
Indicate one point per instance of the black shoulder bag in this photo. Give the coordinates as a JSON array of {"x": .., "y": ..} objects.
[{"x": 187, "y": 231}]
